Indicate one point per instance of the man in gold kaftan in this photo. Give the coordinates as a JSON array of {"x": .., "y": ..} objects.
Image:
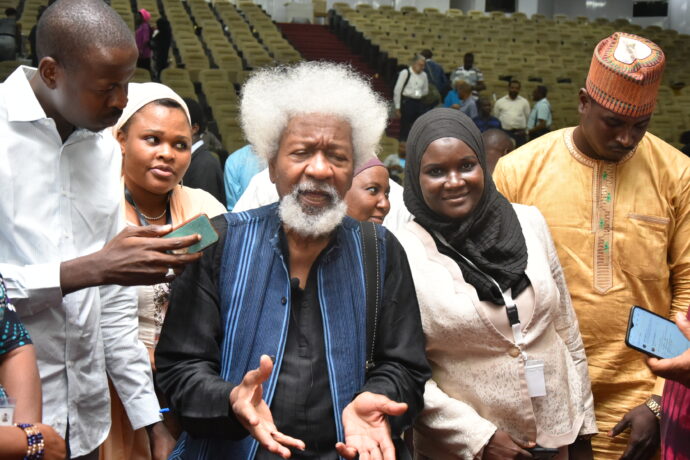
[{"x": 617, "y": 201}]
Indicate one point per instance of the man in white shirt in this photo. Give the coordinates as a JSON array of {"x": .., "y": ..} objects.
[
  {"x": 540, "y": 119},
  {"x": 60, "y": 205},
  {"x": 513, "y": 110},
  {"x": 412, "y": 85}
]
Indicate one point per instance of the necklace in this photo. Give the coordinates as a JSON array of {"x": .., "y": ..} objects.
[
  {"x": 144, "y": 219},
  {"x": 150, "y": 218}
]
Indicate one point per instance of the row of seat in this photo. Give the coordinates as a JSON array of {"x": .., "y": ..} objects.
[
  {"x": 551, "y": 50},
  {"x": 218, "y": 44}
]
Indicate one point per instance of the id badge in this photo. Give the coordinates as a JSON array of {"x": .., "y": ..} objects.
[
  {"x": 534, "y": 373},
  {"x": 6, "y": 411}
]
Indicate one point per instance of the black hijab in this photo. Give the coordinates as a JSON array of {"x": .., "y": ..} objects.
[{"x": 491, "y": 236}]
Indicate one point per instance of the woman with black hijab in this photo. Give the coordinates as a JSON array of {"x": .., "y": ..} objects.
[{"x": 509, "y": 368}]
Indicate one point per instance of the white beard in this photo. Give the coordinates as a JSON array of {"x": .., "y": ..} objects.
[{"x": 309, "y": 221}]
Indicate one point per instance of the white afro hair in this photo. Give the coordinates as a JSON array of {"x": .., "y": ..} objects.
[{"x": 272, "y": 96}]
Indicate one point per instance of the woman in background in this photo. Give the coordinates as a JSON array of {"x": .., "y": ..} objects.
[
  {"x": 367, "y": 199},
  {"x": 143, "y": 35},
  {"x": 155, "y": 136}
]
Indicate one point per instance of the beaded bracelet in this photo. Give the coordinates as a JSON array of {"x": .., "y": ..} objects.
[{"x": 34, "y": 440}]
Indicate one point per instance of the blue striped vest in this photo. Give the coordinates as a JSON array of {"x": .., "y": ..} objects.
[{"x": 254, "y": 280}]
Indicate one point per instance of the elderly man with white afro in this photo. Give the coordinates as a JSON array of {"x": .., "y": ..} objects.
[{"x": 274, "y": 95}]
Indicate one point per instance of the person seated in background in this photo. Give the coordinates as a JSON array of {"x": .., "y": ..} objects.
[
  {"x": 484, "y": 120},
  {"x": 284, "y": 289},
  {"x": 513, "y": 111},
  {"x": 469, "y": 73},
  {"x": 497, "y": 143},
  {"x": 412, "y": 85},
  {"x": 501, "y": 334},
  {"x": 367, "y": 199},
  {"x": 155, "y": 138},
  {"x": 461, "y": 98},
  {"x": 435, "y": 73},
  {"x": 204, "y": 171},
  {"x": 19, "y": 380},
  {"x": 540, "y": 119},
  {"x": 240, "y": 167},
  {"x": 453, "y": 99}
]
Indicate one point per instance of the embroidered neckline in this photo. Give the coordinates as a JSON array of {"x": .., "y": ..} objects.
[{"x": 584, "y": 159}]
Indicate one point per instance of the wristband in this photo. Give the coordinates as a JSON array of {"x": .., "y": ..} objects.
[
  {"x": 34, "y": 440},
  {"x": 654, "y": 407}
]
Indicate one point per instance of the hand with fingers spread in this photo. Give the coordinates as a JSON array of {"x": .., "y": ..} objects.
[
  {"x": 504, "y": 446},
  {"x": 367, "y": 431},
  {"x": 247, "y": 402},
  {"x": 678, "y": 368},
  {"x": 136, "y": 256},
  {"x": 644, "y": 432}
]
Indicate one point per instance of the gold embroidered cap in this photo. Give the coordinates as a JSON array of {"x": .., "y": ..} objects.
[{"x": 625, "y": 74}]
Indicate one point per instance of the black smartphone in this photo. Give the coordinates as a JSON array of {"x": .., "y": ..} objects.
[
  {"x": 543, "y": 452},
  {"x": 654, "y": 335},
  {"x": 198, "y": 224}
]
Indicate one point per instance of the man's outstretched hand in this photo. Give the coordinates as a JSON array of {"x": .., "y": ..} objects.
[
  {"x": 367, "y": 432},
  {"x": 253, "y": 413}
]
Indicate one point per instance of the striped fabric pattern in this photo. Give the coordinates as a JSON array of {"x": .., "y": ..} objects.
[
  {"x": 626, "y": 89},
  {"x": 254, "y": 281}
]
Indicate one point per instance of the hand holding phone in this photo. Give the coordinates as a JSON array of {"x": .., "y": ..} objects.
[
  {"x": 654, "y": 335},
  {"x": 200, "y": 225},
  {"x": 678, "y": 368}
]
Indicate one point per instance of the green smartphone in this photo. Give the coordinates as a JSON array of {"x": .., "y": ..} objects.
[{"x": 199, "y": 224}]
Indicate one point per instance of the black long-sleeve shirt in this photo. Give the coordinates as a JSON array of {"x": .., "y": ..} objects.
[
  {"x": 188, "y": 354},
  {"x": 205, "y": 172}
]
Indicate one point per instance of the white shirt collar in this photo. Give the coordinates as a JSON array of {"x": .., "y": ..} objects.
[
  {"x": 196, "y": 145},
  {"x": 22, "y": 104}
]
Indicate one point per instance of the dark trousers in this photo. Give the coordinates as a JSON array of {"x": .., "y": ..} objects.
[
  {"x": 519, "y": 135},
  {"x": 540, "y": 132},
  {"x": 410, "y": 110}
]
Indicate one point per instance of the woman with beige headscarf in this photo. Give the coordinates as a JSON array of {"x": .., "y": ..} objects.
[{"x": 154, "y": 133}]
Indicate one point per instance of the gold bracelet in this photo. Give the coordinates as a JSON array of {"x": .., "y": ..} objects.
[{"x": 654, "y": 406}]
